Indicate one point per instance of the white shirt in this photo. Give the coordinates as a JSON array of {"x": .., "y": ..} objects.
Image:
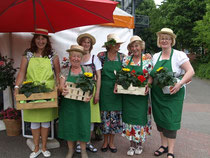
[
  {"x": 178, "y": 58},
  {"x": 96, "y": 62}
]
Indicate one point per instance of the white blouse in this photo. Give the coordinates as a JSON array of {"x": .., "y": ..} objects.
[{"x": 178, "y": 58}]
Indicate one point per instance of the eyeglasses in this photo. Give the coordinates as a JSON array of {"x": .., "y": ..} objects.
[{"x": 165, "y": 39}]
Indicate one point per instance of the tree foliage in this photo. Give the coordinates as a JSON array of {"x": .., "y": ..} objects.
[{"x": 179, "y": 15}]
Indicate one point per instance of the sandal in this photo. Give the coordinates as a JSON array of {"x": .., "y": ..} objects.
[
  {"x": 78, "y": 148},
  {"x": 158, "y": 153},
  {"x": 91, "y": 148},
  {"x": 170, "y": 154}
]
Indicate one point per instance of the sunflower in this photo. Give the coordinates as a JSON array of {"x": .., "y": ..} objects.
[
  {"x": 27, "y": 82},
  {"x": 126, "y": 69},
  {"x": 88, "y": 74},
  {"x": 160, "y": 68}
]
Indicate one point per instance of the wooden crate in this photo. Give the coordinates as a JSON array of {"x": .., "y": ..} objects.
[
  {"x": 37, "y": 96},
  {"x": 131, "y": 90},
  {"x": 76, "y": 93}
]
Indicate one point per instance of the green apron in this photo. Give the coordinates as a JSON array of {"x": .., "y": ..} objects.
[
  {"x": 109, "y": 101},
  {"x": 166, "y": 108},
  {"x": 135, "y": 107},
  {"x": 40, "y": 69},
  {"x": 74, "y": 117}
]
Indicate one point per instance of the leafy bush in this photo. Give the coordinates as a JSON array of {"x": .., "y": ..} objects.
[
  {"x": 7, "y": 72},
  {"x": 203, "y": 71}
]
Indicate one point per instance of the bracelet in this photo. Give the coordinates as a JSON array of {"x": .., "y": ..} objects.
[{"x": 16, "y": 86}]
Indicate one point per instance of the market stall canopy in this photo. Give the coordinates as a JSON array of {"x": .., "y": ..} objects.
[
  {"x": 53, "y": 15},
  {"x": 121, "y": 19}
]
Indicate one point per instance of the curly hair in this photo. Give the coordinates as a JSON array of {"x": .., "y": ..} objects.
[{"x": 48, "y": 48}]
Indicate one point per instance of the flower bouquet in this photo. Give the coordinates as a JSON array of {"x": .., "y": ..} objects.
[
  {"x": 82, "y": 88},
  {"x": 165, "y": 79},
  {"x": 12, "y": 120},
  {"x": 35, "y": 95},
  {"x": 128, "y": 82}
]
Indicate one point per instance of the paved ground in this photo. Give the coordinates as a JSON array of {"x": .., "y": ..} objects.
[{"x": 193, "y": 139}]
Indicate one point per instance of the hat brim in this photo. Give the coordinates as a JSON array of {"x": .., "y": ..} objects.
[
  {"x": 41, "y": 34},
  {"x": 166, "y": 32},
  {"x": 86, "y": 35},
  {"x": 116, "y": 43},
  {"x": 77, "y": 50},
  {"x": 128, "y": 47}
]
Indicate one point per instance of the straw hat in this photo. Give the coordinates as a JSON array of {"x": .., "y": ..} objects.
[
  {"x": 133, "y": 39},
  {"x": 76, "y": 48},
  {"x": 39, "y": 31},
  {"x": 86, "y": 35},
  {"x": 168, "y": 32},
  {"x": 115, "y": 37}
]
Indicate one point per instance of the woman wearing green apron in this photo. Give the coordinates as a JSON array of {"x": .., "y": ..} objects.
[
  {"x": 136, "y": 117},
  {"x": 167, "y": 108},
  {"x": 110, "y": 103},
  {"x": 74, "y": 115},
  {"x": 38, "y": 64},
  {"x": 87, "y": 41}
]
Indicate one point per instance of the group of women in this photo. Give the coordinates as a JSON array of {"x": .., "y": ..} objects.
[{"x": 118, "y": 113}]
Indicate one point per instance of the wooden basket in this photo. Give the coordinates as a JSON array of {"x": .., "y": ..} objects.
[
  {"x": 37, "y": 96},
  {"x": 131, "y": 90},
  {"x": 13, "y": 127},
  {"x": 76, "y": 93}
]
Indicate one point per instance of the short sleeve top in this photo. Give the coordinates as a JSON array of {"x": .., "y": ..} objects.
[
  {"x": 29, "y": 55},
  {"x": 147, "y": 63},
  {"x": 102, "y": 56},
  {"x": 178, "y": 58},
  {"x": 65, "y": 71}
]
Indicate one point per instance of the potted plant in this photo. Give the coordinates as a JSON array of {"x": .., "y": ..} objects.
[
  {"x": 128, "y": 82},
  {"x": 165, "y": 79},
  {"x": 12, "y": 120},
  {"x": 82, "y": 88},
  {"x": 7, "y": 77}
]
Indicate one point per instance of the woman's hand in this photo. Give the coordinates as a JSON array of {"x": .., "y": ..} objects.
[
  {"x": 115, "y": 88},
  {"x": 96, "y": 99},
  {"x": 146, "y": 89},
  {"x": 65, "y": 90},
  {"x": 176, "y": 88},
  {"x": 88, "y": 98}
]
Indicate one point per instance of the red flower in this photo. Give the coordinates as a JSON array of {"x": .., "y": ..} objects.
[
  {"x": 64, "y": 58},
  {"x": 132, "y": 133},
  {"x": 1, "y": 63},
  {"x": 133, "y": 71},
  {"x": 145, "y": 71},
  {"x": 141, "y": 78}
]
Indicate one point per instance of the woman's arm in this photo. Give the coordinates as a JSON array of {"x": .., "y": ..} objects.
[
  {"x": 62, "y": 86},
  {"x": 98, "y": 86},
  {"x": 21, "y": 74},
  {"x": 189, "y": 72},
  {"x": 57, "y": 69}
]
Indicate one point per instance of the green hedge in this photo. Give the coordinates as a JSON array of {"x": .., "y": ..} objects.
[{"x": 202, "y": 70}]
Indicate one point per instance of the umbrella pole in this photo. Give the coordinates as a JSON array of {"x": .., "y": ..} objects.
[{"x": 10, "y": 45}]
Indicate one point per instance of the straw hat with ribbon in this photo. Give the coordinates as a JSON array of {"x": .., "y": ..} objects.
[
  {"x": 168, "y": 32},
  {"x": 112, "y": 39},
  {"x": 39, "y": 31},
  {"x": 76, "y": 48},
  {"x": 86, "y": 35},
  {"x": 134, "y": 39}
]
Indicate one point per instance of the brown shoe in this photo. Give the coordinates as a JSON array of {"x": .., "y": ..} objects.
[
  {"x": 84, "y": 154},
  {"x": 70, "y": 153}
]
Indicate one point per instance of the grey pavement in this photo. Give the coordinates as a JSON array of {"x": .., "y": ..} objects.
[{"x": 193, "y": 140}]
